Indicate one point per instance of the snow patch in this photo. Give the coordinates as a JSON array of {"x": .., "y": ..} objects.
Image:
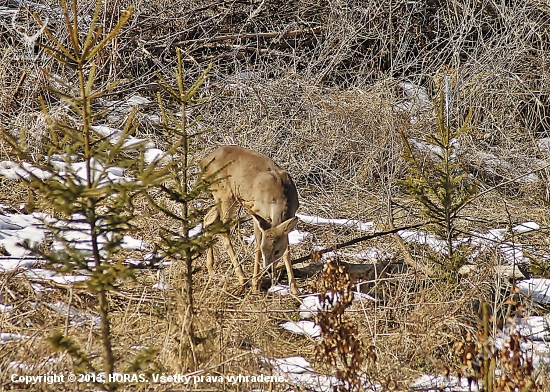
[
  {"x": 525, "y": 227},
  {"x": 162, "y": 285},
  {"x": 296, "y": 237},
  {"x": 281, "y": 289},
  {"x": 352, "y": 223},
  {"x": 538, "y": 289},
  {"x": 298, "y": 371},
  {"x": 20, "y": 365},
  {"x": 311, "y": 304},
  {"x": 76, "y": 317},
  {"x": 424, "y": 238},
  {"x": 51, "y": 276},
  {"x": 16, "y": 228},
  {"x": 536, "y": 328},
  {"x": 428, "y": 383},
  {"x": 114, "y": 135},
  {"x": 512, "y": 252},
  {"x": 8, "y": 309},
  {"x": 8, "y": 263},
  {"x": 6, "y": 337},
  {"x": 308, "y": 328},
  {"x": 156, "y": 155}
]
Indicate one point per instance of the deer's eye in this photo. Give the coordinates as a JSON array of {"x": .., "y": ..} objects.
[{"x": 277, "y": 252}]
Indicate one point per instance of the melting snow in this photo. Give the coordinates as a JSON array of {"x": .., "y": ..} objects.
[
  {"x": 280, "y": 289},
  {"x": 289, "y": 364},
  {"x": 315, "y": 220},
  {"x": 114, "y": 135},
  {"x": 13, "y": 171},
  {"x": 77, "y": 234},
  {"x": 64, "y": 164},
  {"x": 16, "y": 228},
  {"x": 131, "y": 243},
  {"x": 427, "y": 383},
  {"x": 298, "y": 371},
  {"x": 196, "y": 230},
  {"x": 39, "y": 290},
  {"x": 99, "y": 172},
  {"x": 537, "y": 351},
  {"x": 59, "y": 279},
  {"x": 311, "y": 304},
  {"x": 296, "y": 237},
  {"x": 532, "y": 328},
  {"x": 75, "y": 316},
  {"x": 6, "y": 308},
  {"x": 302, "y": 327},
  {"x": 20, "y": 365},
  {"x": 8, "y": 263},
  {"x": 525, "y": 227},
  {"x": 537, "y": 289},
  {"x": 512, "y": 252},
  {"x": 424, "y": 238},
  {"x": 162, "y": 286},
  {"x": 155, "y": 155},
  {"x": 6, "y": 337}
]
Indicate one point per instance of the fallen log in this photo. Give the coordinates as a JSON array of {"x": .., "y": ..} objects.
[{"x": 357, "y": 272}]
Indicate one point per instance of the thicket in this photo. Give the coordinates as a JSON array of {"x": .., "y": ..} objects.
[{"x": 321, "y": 88}]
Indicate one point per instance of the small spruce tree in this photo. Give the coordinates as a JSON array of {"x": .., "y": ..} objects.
[
  {"x": 438, "y": 184},
  {"x": 186, "y": 184},
  {"x": 89, "y": 180}
]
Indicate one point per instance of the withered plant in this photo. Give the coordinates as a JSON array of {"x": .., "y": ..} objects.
[
  {"x": 494, "y": 369},
  {"x": 340, "y": 346}
]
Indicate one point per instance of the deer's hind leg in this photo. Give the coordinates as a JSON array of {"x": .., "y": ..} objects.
[
  {"x": 210, "y": 217},
  {"x": 231, "y": 252},
  {"x": 227, "y": 212}
]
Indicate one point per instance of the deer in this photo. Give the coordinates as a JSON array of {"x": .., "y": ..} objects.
[{"x": 248, "y": 179}]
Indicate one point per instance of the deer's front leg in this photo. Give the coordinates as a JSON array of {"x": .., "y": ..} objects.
[
  {"x": 290, "y": 273},
  {"x": 257, "y": 258}
]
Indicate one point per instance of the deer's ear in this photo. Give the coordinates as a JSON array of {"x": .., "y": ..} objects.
[
  {"x": 262, "y": 223},
  {"x": 288, "y": 225}
]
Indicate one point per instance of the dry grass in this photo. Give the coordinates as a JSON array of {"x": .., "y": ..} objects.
[
  {"x": 322, "y": 106},
  {"x": 412, "y": 326}
]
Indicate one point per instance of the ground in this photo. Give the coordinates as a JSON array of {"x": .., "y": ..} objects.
[{"x": 328, "y": 106}]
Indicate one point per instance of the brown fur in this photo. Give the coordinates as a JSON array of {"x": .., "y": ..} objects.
[{"x": 253, "y": 181}]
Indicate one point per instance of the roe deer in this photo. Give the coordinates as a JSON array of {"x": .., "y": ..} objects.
[{"x": 253, "y": 181}]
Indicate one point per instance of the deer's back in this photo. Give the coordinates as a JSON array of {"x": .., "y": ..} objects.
[{"x": 254, "y": 180}]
